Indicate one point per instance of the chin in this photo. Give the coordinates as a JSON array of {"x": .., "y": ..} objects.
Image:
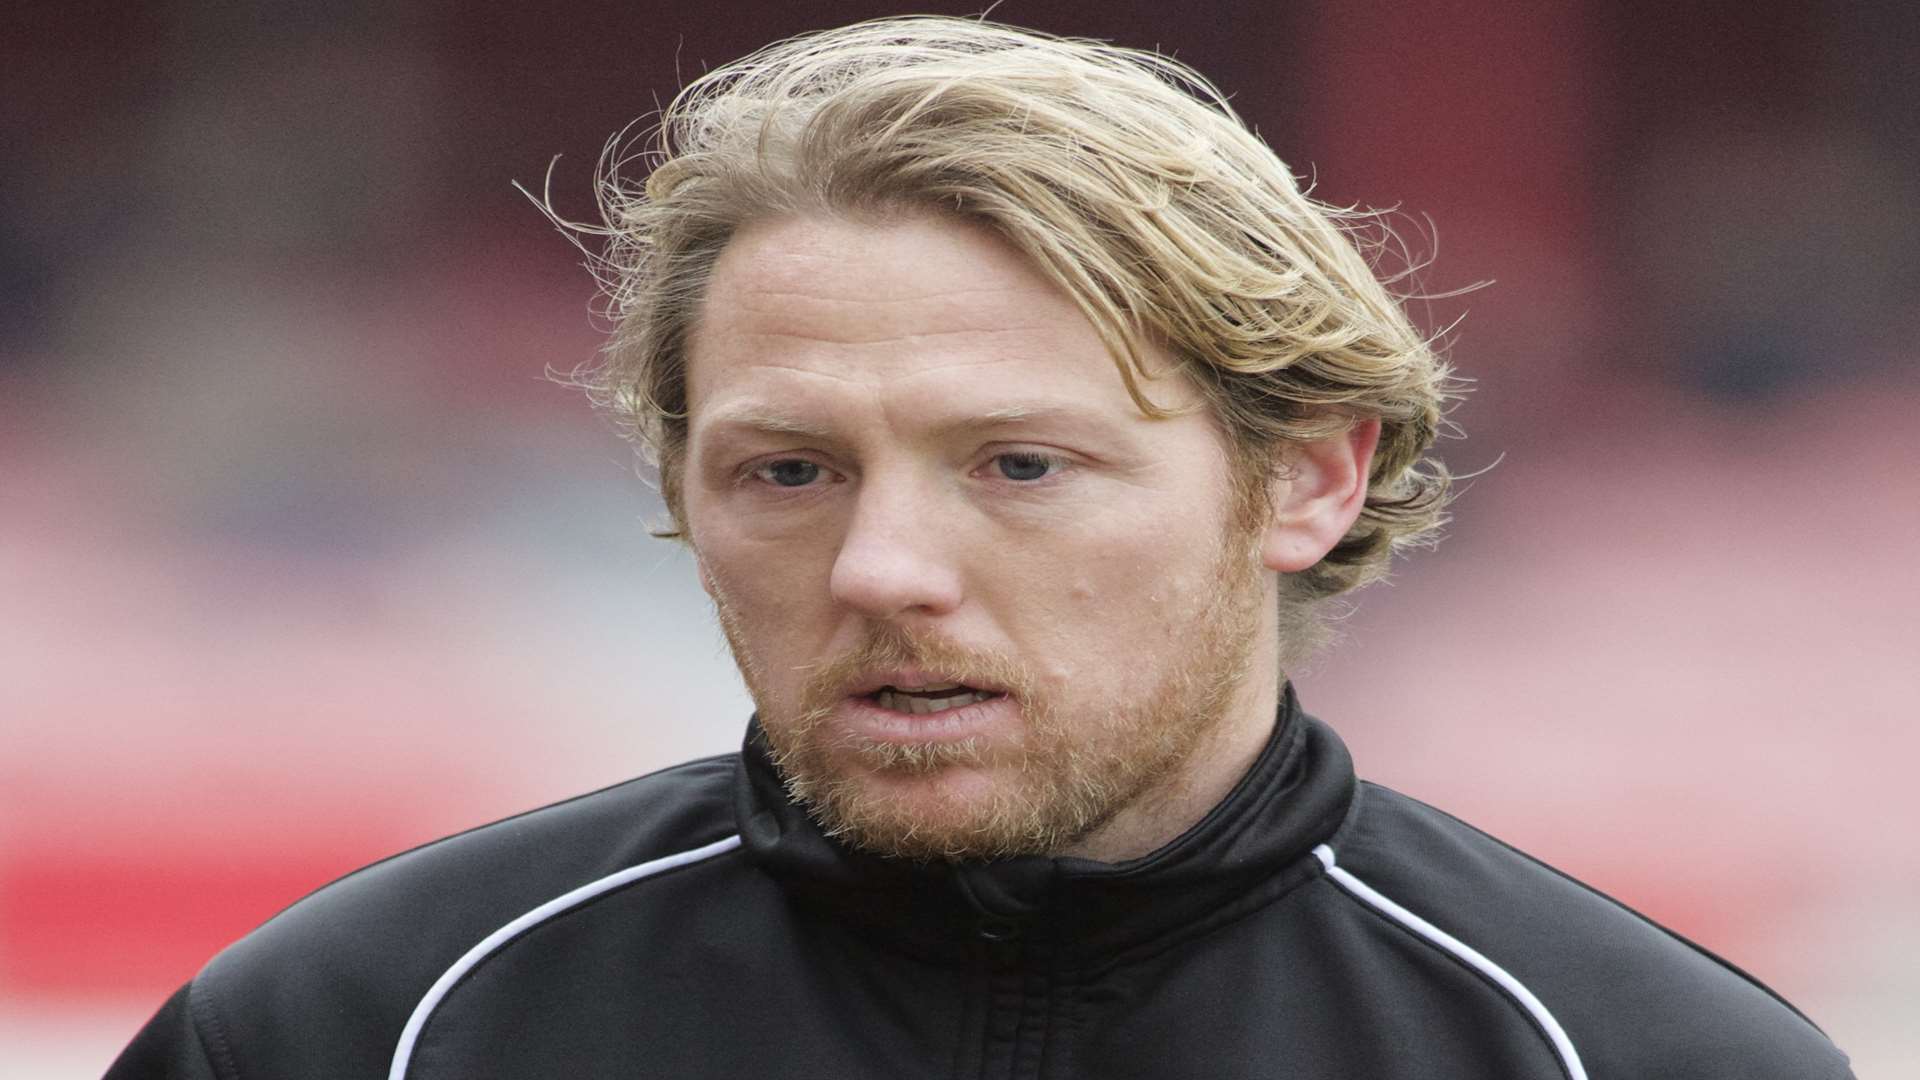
[{"x": 951, "y": 813}]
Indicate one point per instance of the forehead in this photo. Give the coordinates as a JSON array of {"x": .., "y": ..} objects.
[{"x": 946, "y": 312}]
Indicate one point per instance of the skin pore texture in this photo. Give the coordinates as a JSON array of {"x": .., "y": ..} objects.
[{"x": 985, "y": 606}]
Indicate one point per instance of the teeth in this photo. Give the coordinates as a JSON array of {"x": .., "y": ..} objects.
[{"x": 899, "y": 701}]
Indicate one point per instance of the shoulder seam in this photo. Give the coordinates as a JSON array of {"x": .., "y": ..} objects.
[
  {"x": 1698, "y": 949},
  {"x": 439, "y": 840},
  {"x": 472, "y": 958},
  {"x": 210, "y": 1031},
  {"x": 1516, "y": 991}
]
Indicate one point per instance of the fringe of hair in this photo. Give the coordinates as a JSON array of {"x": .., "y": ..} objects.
[{"x": 1125, "y": 176}]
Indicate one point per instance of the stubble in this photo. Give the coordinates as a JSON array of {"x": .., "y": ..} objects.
[{"x": 1073, "y": 767}]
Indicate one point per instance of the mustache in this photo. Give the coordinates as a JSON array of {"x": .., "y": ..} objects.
[{"x": 890, "y": 645}]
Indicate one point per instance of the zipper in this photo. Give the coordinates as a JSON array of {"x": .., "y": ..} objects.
[{"x": 1015, "y": 1017}]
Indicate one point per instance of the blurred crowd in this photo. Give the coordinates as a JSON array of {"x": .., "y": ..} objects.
[{"x": 304, "y": 557}]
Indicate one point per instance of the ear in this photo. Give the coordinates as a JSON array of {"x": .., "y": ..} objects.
[{"x": 1317, "y": 496}]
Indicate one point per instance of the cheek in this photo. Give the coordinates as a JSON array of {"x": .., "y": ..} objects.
[
  {"x": 767, "y": 591},
  {"x": 1109, "y": 616},
  {"x": 771, "y": 591},
  {"x": 1137, "y": 575}
]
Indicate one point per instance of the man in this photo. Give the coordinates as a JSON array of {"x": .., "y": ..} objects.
[{"x": 1019, "y": 409}]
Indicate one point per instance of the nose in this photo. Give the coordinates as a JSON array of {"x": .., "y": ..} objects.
[{"x": 895, "y": 558}]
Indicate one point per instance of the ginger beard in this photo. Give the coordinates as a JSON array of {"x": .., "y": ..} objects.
[{"x": 1074, "y": 767}]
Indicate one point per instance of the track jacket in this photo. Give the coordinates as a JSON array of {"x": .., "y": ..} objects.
[{"x": 695, "y": 923}]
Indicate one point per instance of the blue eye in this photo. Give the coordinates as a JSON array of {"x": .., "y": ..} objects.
[
  {"x": 790, "y": 472},
  {"x": 1024, "y": 466}
]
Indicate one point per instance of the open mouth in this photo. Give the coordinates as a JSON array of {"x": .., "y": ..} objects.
[{"x": 921, "y": 700}]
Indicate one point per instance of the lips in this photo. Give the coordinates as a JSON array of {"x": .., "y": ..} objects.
[
  {"x": 918, "y": 707},
  {"x": 930, "y": 700},
  {"x": 916, "y": 681},
  {"x": 919, "y": 691}
]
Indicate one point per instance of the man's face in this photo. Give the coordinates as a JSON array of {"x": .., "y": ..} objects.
[{"x": 983, "y": 603}]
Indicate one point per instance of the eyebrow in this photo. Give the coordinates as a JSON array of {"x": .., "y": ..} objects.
[
  {"x": 770, "y": 420},
  {"x": 776, "y": 421},
  {"x": 1016, "y": 414}
]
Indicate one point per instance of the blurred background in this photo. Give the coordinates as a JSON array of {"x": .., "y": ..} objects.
[{"x": 303, "y": 560}]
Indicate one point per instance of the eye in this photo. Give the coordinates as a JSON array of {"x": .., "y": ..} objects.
[
  {"x": 788, "y": 472},
  {"x": 1025, "y": 466}
]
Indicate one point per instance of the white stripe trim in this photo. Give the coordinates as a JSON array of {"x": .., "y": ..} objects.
[
  {"x": 409, "y": 1035},
  {"x": 1460, "y": 949}
]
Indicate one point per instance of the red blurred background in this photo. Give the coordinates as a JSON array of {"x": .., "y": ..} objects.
[{"x": 302, "y": 559}]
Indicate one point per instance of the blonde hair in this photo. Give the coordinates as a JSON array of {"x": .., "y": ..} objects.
[{"x": 1123, "y": 175}]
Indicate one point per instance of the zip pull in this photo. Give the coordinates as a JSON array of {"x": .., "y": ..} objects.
[{"x": 993, "y": 923}]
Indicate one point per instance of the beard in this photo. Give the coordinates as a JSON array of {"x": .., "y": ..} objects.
[{"x": 1074, "y": 767}]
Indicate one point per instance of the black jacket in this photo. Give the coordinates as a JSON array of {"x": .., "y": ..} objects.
[{"x": 694, "y": 923}]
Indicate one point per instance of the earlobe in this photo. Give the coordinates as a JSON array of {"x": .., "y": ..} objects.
[{"x": 1318, "y": 496}]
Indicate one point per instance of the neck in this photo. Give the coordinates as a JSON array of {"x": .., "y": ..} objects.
[{"x": 1169, "y": 809}]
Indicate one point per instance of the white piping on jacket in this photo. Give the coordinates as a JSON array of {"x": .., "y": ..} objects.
[
  {"x": 409, "y": 1035},
  {"x": 1367, "y": 894}
]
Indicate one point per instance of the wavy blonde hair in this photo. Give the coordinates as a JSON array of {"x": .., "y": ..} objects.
[{"x": 1125, "y": 177}]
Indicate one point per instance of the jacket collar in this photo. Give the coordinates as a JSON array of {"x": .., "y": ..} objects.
[{"x": 1255, "y": 844}]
